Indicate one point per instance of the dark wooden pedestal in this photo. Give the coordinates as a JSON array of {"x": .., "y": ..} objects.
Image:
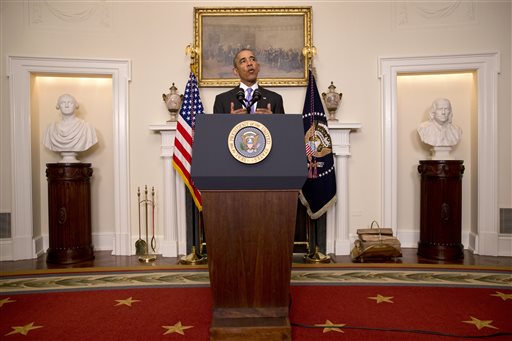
[
  {"x": 69, "y": 213},
  {"x": 441, "y": 209}
]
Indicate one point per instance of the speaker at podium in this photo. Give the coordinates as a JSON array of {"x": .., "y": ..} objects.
[{"x": 249, "y": 169}]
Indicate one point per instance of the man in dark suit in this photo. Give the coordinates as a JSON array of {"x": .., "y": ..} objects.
[{"x": 246, "y": 67}]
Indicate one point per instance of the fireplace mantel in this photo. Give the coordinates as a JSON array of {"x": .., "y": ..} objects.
[{"x": 174, "y": 241}]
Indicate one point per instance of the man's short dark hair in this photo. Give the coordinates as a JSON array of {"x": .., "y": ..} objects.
[{"x": 236, "y": 55}]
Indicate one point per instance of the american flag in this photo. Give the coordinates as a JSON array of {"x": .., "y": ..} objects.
[
  {"x": 319, "y": 190},
  {"x": 182, "y": 157}
]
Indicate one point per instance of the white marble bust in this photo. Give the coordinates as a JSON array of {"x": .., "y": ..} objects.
[
  {"x": 71, "y": 134},
  {"x": 439, "y": 131}
]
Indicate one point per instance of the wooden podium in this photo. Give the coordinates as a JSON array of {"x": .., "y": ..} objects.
[
  {"x": 441, "y": 209},
  {"x": 69, "y": 213},
  {"x": 249, "y": 215}
]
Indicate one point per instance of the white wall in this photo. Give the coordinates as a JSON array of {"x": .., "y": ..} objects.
[{"x": 349, "y": 36}]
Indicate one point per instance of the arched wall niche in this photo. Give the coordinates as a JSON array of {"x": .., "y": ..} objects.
[
  {"x": 486, "y": 239},
  {"x": 22, "y": 244}
]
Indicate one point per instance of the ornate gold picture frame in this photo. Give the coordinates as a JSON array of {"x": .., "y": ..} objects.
[{"x": 277, "y": 35}]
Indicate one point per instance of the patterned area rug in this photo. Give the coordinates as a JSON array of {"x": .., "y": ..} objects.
[
  {"x": 142, "y": 277},
  {"x": 329, "y": 302}
]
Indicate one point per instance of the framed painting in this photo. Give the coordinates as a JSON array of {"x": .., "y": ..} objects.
[{"x": 277, "y": 35}]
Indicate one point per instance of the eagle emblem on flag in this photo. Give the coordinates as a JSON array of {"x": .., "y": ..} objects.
[{"x": 318, "y": 140}]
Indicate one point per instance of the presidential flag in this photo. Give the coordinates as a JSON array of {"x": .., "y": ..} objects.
[
  {"x": 184, "y": 140},
  {"x": 319, "y": 191}
]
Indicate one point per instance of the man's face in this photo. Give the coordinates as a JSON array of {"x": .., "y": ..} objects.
[
  {"x": 247, "y": 67},
  {"x": 67, "y": 105},
  {"x": 442, "y": 113}
]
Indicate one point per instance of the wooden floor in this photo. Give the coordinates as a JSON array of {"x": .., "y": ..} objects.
[{"x": 105, "y": 259}]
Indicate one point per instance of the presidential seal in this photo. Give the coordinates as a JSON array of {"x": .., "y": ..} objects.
[
  {"x": 319, "y": 150},
  {"x": 249, "y": 142},
  {"x": 318, "y": 140}
]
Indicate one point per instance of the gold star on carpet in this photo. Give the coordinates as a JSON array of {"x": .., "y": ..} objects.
[
  {"x": 177, "y": 328},
  {"x": 6, "y": 300},
  {"x": 379, "y": 298},
  {"x": 128, "y": 302},
  {"x": 23, "y": 329},
  {"x": 503, "y": 296},
  {"x": 480, "y": 324},
  {"x": 331, "y": 327}
]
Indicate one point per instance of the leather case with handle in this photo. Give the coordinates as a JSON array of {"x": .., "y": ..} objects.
[{"x": 375, "y": 244}]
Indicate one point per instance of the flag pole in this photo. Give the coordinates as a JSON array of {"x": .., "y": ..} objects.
[
  {"x": 194, "y": 258},
  {"x": 202, "y": 239},
  {"x": 317, "y": 256}
]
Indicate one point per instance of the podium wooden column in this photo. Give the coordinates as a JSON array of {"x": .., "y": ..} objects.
[
  {"x": 441, "y": 209},
  {"x": 250, "y": 245},
  {"x": 249, "y": 212},
  {"x": 69, "y": 212}
]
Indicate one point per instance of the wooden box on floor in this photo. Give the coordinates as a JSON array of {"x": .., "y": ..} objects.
[{"x": 249, "y": 215}]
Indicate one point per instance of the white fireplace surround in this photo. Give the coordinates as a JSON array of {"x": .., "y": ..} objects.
[{"x": 174, "y": 239}]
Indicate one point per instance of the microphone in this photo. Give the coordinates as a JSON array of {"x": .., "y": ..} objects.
[
  {"x": 240, "y": 96},
  {"x": 256, "y": 96}
]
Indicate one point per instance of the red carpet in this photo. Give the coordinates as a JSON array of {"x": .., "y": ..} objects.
[
  {"x": 435, "y": 309},
  {"x": 37, "y": 308}
]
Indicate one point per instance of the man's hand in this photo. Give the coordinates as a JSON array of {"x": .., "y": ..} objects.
[
  {"x": 267, "y": 110},
  {"x": 237, "y": 111}
]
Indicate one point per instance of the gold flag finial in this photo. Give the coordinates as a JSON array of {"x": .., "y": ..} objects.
[
  {"x": 309, "y": 52},
  {"x": 193, "y": 52}
]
